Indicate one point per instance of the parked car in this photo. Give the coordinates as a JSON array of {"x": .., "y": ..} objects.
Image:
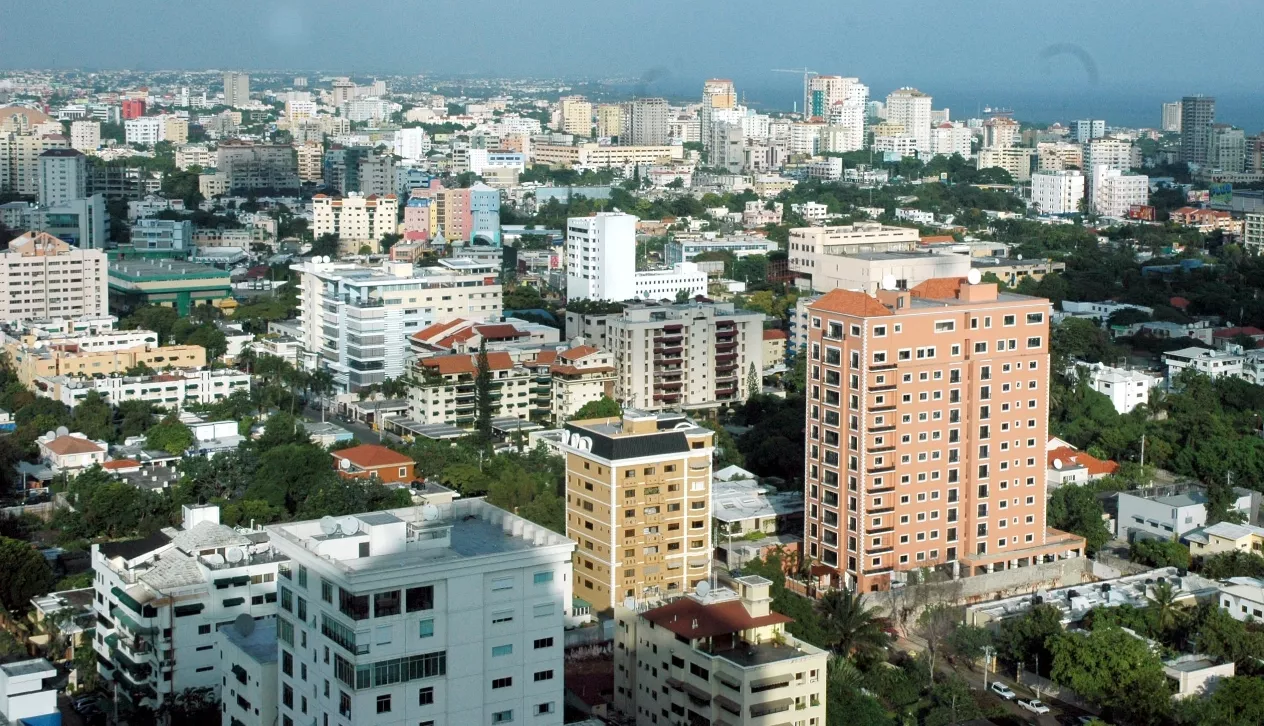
[
  {"x": 1035, "y": 706},
  {"x": 1003, "y": 691}
]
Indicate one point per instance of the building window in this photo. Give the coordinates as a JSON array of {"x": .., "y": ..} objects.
[
  {"x": 502, "y": 650},
  {"x": 505, "y": 682},
  {"x": 425, "y": 696},
  {"x": 543, "y": 708},
  {"x": 541, "y": 578},
  {"x": 502, "y": 717},
  {"x": 384, "y": 703},
  {"x": 543, "y": 643},
  {"x": 543, "y": 676},
  {"x": 419, "y": 598}
]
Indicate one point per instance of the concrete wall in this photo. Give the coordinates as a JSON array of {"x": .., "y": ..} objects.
[{"x": 981, "y": 588}]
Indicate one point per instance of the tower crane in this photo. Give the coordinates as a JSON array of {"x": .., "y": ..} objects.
[{"x": 808, "y": 75}]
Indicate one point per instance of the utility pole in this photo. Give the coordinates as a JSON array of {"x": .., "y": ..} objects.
[
  {"x": 1143, "y": 451},
  {"x": 987, "y": 658}
]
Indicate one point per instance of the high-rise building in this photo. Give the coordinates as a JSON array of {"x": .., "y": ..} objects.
[
  {"x": 1085, "y": 130},
  {"x": 354, "y": 218},
  {"x": 450, "y": 613},
  {"x": 1113, "y": 152},
  {"x": 910, "y": 108},
  {"x": 609, "y": 120},
  {"x": 718, "y": 94},
  {"x": 159, "y": 599},
  {"x": 1113, "y": 192},
  {"x": 47, "y": 279},
  {"x": 132, "y": 108},
  {"x": 20, "y": 152},
  {"x": 1227, "y": 150},
  {"x": 63, "y": 176},
  {"x": 725, "y": 647},
  {"x": 257, "y": 166},
  {"x": 1198, "y": 115},
  {"x": 601, "y": 257},
  {"x": 638, "y": 493},
  {"x": 948, "y": 139},
  {"x": 309, "y": 157},
  {"x": 85, "y": 135},
  {"x": 1171, "y": 117},
  {"x": 1057, "y": 192},
  {"x": 926, "y": 433},
  {"x": 645, "y": 122},
  {"x": 1000, "y": 132},
  {"x": 412, "y": 144},
  {"x": 236, "y": 88},
  {"x": 575, "y": 115}
]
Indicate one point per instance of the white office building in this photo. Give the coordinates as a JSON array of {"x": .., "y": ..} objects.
[
  {"x": 1210, "y": 363},
  {"x": 448, "y": 614},
  {"x": 145, "y": 130},
  {"x": 1057, "y": 192},
  {"x": 159, "y": 599},
  {"x": 248, "y": 649},
  {"x": 412, "y": 144},
  {"x": 601, "y": 257},
  {"x": 1115, "y": 192},
  {"x": 358, "y": 318},
  {"x": 85, "y": 135},
  {"x": 666, "y": 284},
  {"x": 947, "y": 139}
]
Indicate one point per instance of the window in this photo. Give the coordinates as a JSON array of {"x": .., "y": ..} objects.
[
  {"x": 541, "y": 578},
  {"x": 502, "y": 583},
  {"x": 543, "y": 643},
  {"x": 386, "y": 604},
  {"x": 502, "y": 717},
  {"x": 425, "y": 696},
  {"x": 945, "y": 326},
  {"x": 502, "y": 650},
  {"x": 419, "y": 598},
  {"x": 426, "y": 629},
  {"x": 543, "y": 708},
  {"x": 502, "y": 616},
  {"x": 326, "y": 590},
  {"x": 1035, "y": 318},
  {"x": 505, "y": 682},
  {"x": 543, "y": 676},
  {"x": 384, "y": 703}
]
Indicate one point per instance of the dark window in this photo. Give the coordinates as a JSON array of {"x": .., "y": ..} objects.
[
  {"x": 419, "y": 598},
  {"x": 386, "y": 604},
  {"x": 425, "y": 696},
  {"x": 384, "y": 704}
]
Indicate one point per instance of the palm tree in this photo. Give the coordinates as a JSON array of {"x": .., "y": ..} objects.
[
  {"x": 853, "y": 628},
  {"x": 1167, "y": 612}
]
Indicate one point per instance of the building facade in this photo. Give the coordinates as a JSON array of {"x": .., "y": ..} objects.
[
  {"x": 1057, "y": 192},
  {"x": 43, "y": 277}
]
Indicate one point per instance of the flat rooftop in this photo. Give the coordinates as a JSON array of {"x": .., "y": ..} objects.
[
  {"x": 32, "y": 667},
  {"x": 260, "y": 644},
  {"x": 138, "y": 269}
]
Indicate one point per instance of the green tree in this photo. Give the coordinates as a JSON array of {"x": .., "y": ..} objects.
[
  {"x": 326, "y": 244},
  {"x": 1025, "y": 638},
  {"x": 1110, "y": 667},
  {"x": 935, "y": 626},
  {"x": 727, "y": 452},
  {"x": 1236, "y": 701},
  {"x": 26, "y": 574},
  {"x": 1159, "y": 553},
  {"x": 852, "y": 629},
  {"x": 135, "y": 418},
  {"x": 158, "y": 318},
  {"x": 682, "y": 296},
  {"x": 483, "y": 395},
  {"x": 752, "y": 381},
  {"x": 94, "y": 418},
  {"x": 1077, "y": 510},
  {"x": 169, "y": 435},
  {"x": 970, "y": 642},
  {"x": 604, "y": 407}
]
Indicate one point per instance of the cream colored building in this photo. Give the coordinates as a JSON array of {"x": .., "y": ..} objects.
[
  {"x": 1225, "y": 537},
  {"x": 213, "y": 184},
  {"x": 575, "y": 115},
  {"x": 1059, "y": 155},
  {"x": 199, "y": 155},
  {"x": 638, "y": 505},
  {"x": 580, "y": 375},
  {"x": 609, "y": 120},
  {"x": 596, "y": 155},
  {"x": 310, "y": 156},
  {"x": 810, "y": 248},
  {"x": 48, "y": 359},
  {"x": 176, "y": 129},
  {"x": 1014, "y": 159},
  {"x": 355, "y": 217},
  {"x": 444, "y": 392},
  {"x": 43, "y": 277},
  {"x": 85, "y": 135},
  {"x": 719, "y": 656},
  {"x": 20, "y": 153}
]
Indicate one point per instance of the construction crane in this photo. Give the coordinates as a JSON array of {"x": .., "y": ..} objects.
[{"x": 808, "y": 75}]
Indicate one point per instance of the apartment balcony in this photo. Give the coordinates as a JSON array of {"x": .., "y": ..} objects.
[
  {"x": 725, "y": 347},
  {"x": 883, "y": 387},
  {"x": 668, "y": 339},
  {"x": 673, "y": 327},
  {"x": 674, "y": 362},
  {"x": 670, "y": 350},
  {"x": 880, "y": 449},
  {"x": 669, "y": 385},
  {"x": 725, "y": 357}
]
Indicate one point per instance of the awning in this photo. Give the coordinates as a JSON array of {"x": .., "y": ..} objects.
[
  {"x": 696, "y": 692},
  {"x": 767, "y": 707},
  {"x": 729, "y": 705},
  {"x": 130, "y": 624},
  {"x": 126, "y": 599},
  {"x": 763, "y": 684}
]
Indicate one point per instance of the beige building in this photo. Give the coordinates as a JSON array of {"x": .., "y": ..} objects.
[
  {"x": 810, "y": 248},
  {"x": 638, "y": 505},
  {"x": 718, "y": 656},
  {"x": 1225, "y": 537},
  {"x": 190, "y": 155},
  {"x": 596, "y": 155},
  {"x": 575, "y": 115},
  {"x": 609, "y": 120},
  {"x": 1016, "y": 160},
  {"x": 31, "y": 362},
  {"x": 85, "y": 135},
  {"x": 213, "y": 184},
  {"x": 580, "y": 375},
  {"x": 445, "y": 393},
  {"x": 355, "y": 218},
  {"x": 1059, "y": 155},
  {"x": 310, "y": 158},
  {"x": 43, "y": 277},
  {"x": 177, "y": 129},
  {"x": 19, "y": 157}
]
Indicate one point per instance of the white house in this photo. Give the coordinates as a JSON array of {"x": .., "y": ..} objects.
[
  {"x": 1125, "y": 388},
  {"x": 70, "y": 452},
  {"x": 1211, "y": 363},
  {"x": 26, "y": 691}
]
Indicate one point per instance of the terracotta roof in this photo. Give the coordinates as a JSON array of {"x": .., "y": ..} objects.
[
  {"x": 1178, "y": 302},
  {"x": 432, "y": 330},
  {"x": 120, "y": 464},
  {"x": 691, "y": 619},
  {"x": 1094, "y": 465},
  {"x": 1232, "y": 332},
  {"x": 775, "y": 334},
  {"x": 937, "y": 238},
  {"x": 546, "y": 357},
  {"x": 372, "y": 456},
  {"x": 64, "y": 445},
  {"x": 448, "y": 365},
  {"x": 499, "y": 331},
  {"x": 849, "y": 302},
  {"x": 939, "y": 288},
  {"x": 578, "y": 352}
]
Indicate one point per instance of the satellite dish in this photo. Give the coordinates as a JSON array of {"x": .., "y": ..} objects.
[
  {"x": 245, "y": 625},
  {"x": 629, "y": 603},
  {"x": 702, "y": 588},
  {"x": 349, "y": 525},
  {"x": 328, "y": 525},
  {"x": 974, "y": 277},
  {"x": 51, "y": 434},
  {"x": 429, "y": 513},
  {"x": 213, "y": 559},
  {"x": 344, "y": 463},
  {"x": 1020, "y": 257},
  {"x": 234, "y": 554},
  {"x": 63, "y": 431},
  {"x": 888, "y": 282},
  {"x": 1057, "y": 464}
]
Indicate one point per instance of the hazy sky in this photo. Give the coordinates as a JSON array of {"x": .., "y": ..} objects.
[{"x": 1168, "y": 46}]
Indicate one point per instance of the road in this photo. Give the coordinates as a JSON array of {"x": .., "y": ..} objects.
[{"x": 363, "y": 433}]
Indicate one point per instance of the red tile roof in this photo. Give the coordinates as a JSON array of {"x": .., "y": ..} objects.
[
  {"x": 372, "y": 456},
  {"x": 432, "y": 330},
  {"x": 448, "y": 365},
  {"x": 849, "y": 302},
  {"x": 775, "y": 334},
  {"x": 1178, "y": 302},
  {"x": 120, "y": 464},
  {"x": 499, "y": 331},
  {"x": 691, "y": 619},
  {"x": 939, "y": 288},
  {"x": 1096, "y": 467},
  {"x": 546, "y": 357},
  {"x": 938, "y": 238},
  {"x": 1233, "y": 332},
  {"x": 65, "y": 445},
  {"x": 578, "y": 352}
]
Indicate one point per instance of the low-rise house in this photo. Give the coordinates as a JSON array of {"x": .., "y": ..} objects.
[
  {"x": 1242, "y": 598},
  {"x": 1225, "y": 537},
  {"x": 174, "y": 390},
  {"x": 579, "y": 376},
  {"x": 1069, "y": 465},
  {"x": 1125, "y": 388},
  {"x": 1171, "y": 512},
  {"x": 1193, "y": 674},
  {"x": 70, "y": 453},
  {"x": 28, "y": 693},
  {"x": 371, "y": 461},
  {"x": 1226, "y": 338},
  {"x": 774, "y": 348},
  {"x": 1211, "y": 363}
]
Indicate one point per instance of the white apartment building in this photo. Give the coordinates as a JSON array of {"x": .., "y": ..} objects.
[
  {"x": 1000, "y": 131},
  {"x": 805, "y": 138},
  {"x": 43, "y": 277},
  {"x": 483, "y": 161},
  {"x": 1057, "y": 192},
  {"x": 580, "y": 375},
  {"x": 904, "y": 145},
  {"x": 159, "y": 599},
  {"x": 828, "y": 169},
  {"x": 1113, "y": 192},
  {"x": 174, "y": 390},
  {"x": 666, "y": 284},
  {"x": 355, "y": 217},
  {"x": 1111, "y": 152},
  {"x": 412, "y": 144},
  {"x": 947, "y": 139},
  {"x": 1017, "y": 160},
  {"x": 813, "y": 251},
  {"x": 716, "y": 656},
  {"x": 1253, "y": 232},
  {"x": 1210, "y": 363},
  {"x": 601, "y": 257},
  {"x": 189, "y": 155},
  {"x": 85, "y": 135},
  {"x": 449, "y": 614},
  {"x": 1125, "y": 388},
  {"x": 690, "y": 355},
  {"x": 248, "y": 652},
  {"x": 868, "y": 270},
  {"x": 596, "y": 156},
  {"x": 63, "y": 177},
  {"x": 358, "y": 318},
  {"x": 910, "y": 108},
  {"x": 145, "y": 130}
]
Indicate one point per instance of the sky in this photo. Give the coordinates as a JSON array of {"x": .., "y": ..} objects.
[{"x": 1041, "y": 57}]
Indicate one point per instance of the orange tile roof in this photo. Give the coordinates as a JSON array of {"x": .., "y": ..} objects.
[
  {"x": 850, "y": 302},
  {"x": 775, "y": 334},
  {"x": 372, "y": 456},
  {"x": 120, "y": 464},
  {"x": 448, "y": 365},
  {"x": 64, "y": 445},
  {"x": 937, "y": 238},
  {"x": 691, "y": 619},
  {"x": 578, "y": 352},
  {"x": 939, "y": 288},
  {"x": 432, "y": 330},
  {"x": 546, "y": 357},
  {"x": 1094, "y": 465},
  {"x": 499, "y": 331}
]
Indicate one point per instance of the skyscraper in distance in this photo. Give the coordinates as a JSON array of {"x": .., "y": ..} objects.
[
  {"x": 1198, "y": 115},
  {"x": 645, "y": 123},
  {"x": 1171, "y": 122},
  {"x": 910, "y": 108},
  {"x": 236, "y": 88}
]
